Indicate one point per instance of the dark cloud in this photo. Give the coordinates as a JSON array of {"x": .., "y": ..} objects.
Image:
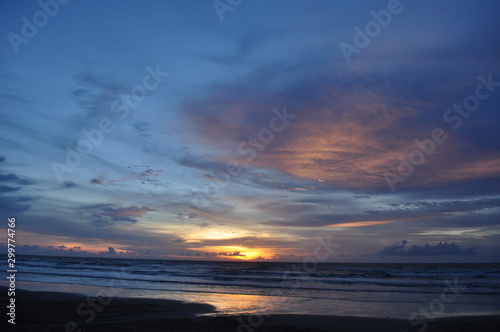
[
  {"x": 75, "y": 229},
  {"x": 442, "y": 248},
  {"x": 107, "y": 215},
  {"x": 11, "y": 205},
  {"x": 126, "y": 211},
  {"x": 97, "y": 180},
  {"x": 2, "y": 159},
  {"x": 140, "y": 173},
  {"x": 275, "y": 179},
  {"x": 196, "y": 253},
  {"x": 201, "y": 163},
  {"x": 464, "y": 220},
  {"x": 69, "y": 184},
  {"x": 457, "y": 190},
  {"x": 95, "y": 95},
  {"x": 215, "y": 207},
  {"x": 207, "y": 225},
  {"x": 60, "y": 250},
  {"x": 29, "y": 247},
  {"x": 142, "y": 128},
  {"x": 103, "y": 220},
  {"x": 12, "y": 178},
  {"x": 6, "y": 189},
  {"x": 96, "y": 206},
  {"x": 450, "y": 206},
  {"x": 407, "y": 211},
  {"x": 231, "y": 253},
  {"x": 185, "y": 214},
  {"x": 289, "y": 209}
]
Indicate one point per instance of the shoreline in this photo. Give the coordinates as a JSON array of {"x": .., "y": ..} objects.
[{"x": 57, "y": 311}]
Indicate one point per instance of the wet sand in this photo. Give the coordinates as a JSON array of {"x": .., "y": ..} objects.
[{"x": 51, "y": 311}]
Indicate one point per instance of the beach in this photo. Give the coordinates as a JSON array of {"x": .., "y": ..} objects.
[
  {"x": 54, "y": 311},
  {"x": 100, "y": 294},
  {"x": 330, "y": 289}
]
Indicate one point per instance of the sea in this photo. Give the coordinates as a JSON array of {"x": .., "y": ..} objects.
[{"x": 262, "y": 288}]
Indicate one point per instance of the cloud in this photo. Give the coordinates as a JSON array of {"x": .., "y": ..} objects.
[
  {"x": 132, "y": 211},
  {"x": 12, "y": 178},
  {"x": 184, "y": 214},
  {"x": 29, "y": 247},
  {"x": 353, "y": 122},
  {"x": 208, "y": 225},
  {"x": 65, "y": 250},
  {"x": 106, "y": 215},
  {"x": 13, "y": 204},
  {"x": 142, "y": 128},
  {"x": 141, "y": 173},
  {"x": 6, "y": 189},
  {"x": 449, "y": 206},
  {"x": 246, "y": 241},
  {"x": 10, "y": 205},
  {"x": 442, "y": 248},
  {"x": 350, "y": 129},
  {"x": 69, "y": 184},
  {"x": 95, "y": 95},
  {"x": 99, "y": 180},
  {"x": 196, "y": 253},
  {"x": 201, "y": 163},
  {"x": 231, "y": 254},
  {"x": 392, "y": 212},
  {"x": 102, "y": 220}
]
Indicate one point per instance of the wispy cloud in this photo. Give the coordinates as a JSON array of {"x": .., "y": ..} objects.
[
  {"x": 442, "y": 248},
  {"x": 106, "y": 215}
]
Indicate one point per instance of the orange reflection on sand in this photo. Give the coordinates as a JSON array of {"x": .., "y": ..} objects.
[{"x": 233, "y": 303}]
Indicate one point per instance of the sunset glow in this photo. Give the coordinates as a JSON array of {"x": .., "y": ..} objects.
[{"x": 160, "y": 130}]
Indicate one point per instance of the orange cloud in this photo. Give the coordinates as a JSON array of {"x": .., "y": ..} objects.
[
  {"x": 354, "y": 143},
  {"x": 347, "y": 135},
  {"x": 344, "y": 141}
]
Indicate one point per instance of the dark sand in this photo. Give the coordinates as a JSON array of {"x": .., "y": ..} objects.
[{"x": 48, "y": 311}]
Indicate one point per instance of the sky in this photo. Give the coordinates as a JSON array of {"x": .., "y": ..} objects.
[{"x": 252, "y": 130}]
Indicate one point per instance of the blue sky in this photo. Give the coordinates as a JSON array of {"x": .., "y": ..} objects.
[{"x": 159, "y": 130}]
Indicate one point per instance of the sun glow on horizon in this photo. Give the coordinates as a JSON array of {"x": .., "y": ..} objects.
[{"x": 242, "y": 253}]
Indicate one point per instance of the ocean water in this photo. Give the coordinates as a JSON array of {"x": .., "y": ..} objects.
[{"x": 370, "y": 290}]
